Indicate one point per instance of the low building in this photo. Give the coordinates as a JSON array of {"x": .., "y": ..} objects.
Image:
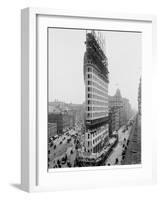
[
  {"x": 62, "y": 119},
  {"x": 76, "y": 110},
  {"x": 52, "y": 129}
]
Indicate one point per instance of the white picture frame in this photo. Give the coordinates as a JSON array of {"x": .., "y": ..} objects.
[{"x": 34, "y": 175}]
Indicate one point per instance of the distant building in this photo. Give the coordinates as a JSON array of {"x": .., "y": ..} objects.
[
  {"x": 120, "y": 110},
  {"x": 76, "y": 110},
  {"x": 139, "y": 98},
  {"x": 127, "y": 111},
  {"x": 115, "y": 107},
  {"x": 52, "y": 129},
  {"x": 115, "y": 119},
  {"x": 57, "y": 106},
  {"x": 96, "y": 91},
  {"x": 62, "y": 119}
]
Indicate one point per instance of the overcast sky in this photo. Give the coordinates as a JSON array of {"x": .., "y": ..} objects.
[{"x": 66, "y": 51}]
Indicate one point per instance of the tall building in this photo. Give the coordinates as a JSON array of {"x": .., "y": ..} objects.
[
  {"x": 120, "y": 110},
  {"x": 115, "y": 107},
  {"x": 139, "y": 98},
  {"x": 127, "y": 111},
  {"x": 96, "y": 93}
]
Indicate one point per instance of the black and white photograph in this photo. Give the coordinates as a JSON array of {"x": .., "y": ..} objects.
[{"x": 94, "y": 97}]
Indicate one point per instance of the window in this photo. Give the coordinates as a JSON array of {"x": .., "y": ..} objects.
[
  {"x": 89, "y": 83},
  {"x": 89, "y": 89},
  {"x": 89, "y": 75},
  {"x": 89, "y": 96},
  {"x": 89, "y": 69}
]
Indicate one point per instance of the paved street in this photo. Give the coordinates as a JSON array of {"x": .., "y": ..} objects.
[
  {"x": 62, "y": 150},
  {"x": 133, "y": 153},
  {"x": 116, "y": 155},
  {"x": 128, "y": 149}
]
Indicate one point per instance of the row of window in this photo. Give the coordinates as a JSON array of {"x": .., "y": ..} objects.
[
  {"x": 99, "y": 114},
  {"x": 94, "y": 96},
  {"x": 92, "y": 89},
  {"x": 98, "y": 103},
  {"x": 98, "y": 81},
  {"x": 96, "y": 108},
  {"x": 104, "y": 84},
  {"x": 95, "y": 133},
  {"x": 90, "y": 69},
  {"x": 100, "y": 86},
  {"x": 97, "y": 86},
  {"x": 97, "y": 74},
  {"x": 102, "y": 129},
  {"x": 97, "y": 139}
]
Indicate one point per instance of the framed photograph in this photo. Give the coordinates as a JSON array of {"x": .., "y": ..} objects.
[{"x": 86, "y": 107}]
